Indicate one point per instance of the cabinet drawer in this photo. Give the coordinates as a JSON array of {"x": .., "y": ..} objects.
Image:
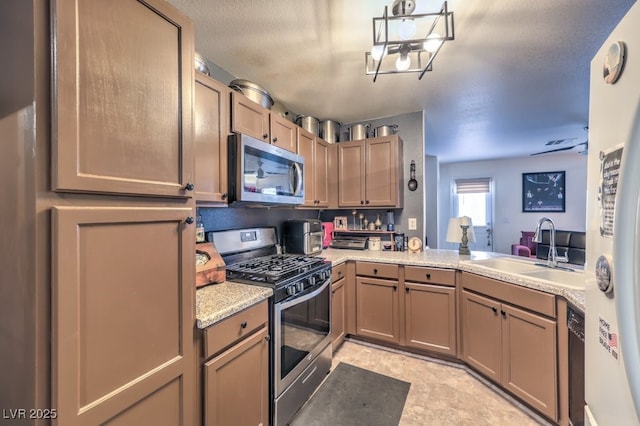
[
  {"x": 430, "y": 275},
  {"x": 338, "y": 272},
  {"x": 382, "y": 270},
  {"x": 234, "y": 328}
]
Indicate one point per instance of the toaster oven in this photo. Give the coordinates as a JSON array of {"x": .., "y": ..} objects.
[{"x": 303, "y": 236}]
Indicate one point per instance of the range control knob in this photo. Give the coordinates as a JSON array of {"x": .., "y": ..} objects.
[
  {"x": 291, "y": 289},
  {"x": 312, "y": 281},
  {"x": 300, "y": 286}
]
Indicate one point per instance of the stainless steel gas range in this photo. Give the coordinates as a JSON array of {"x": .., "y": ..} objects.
[{"x": 299, "y": 312}]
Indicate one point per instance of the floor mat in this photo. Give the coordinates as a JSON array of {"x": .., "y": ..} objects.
[{"x": 352, "y": 396}]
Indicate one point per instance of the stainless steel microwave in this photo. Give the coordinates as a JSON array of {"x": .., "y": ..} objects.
[{"x": 260, "y": 173}]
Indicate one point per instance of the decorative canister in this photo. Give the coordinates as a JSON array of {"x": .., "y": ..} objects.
[{"x": 375, "y": 243}]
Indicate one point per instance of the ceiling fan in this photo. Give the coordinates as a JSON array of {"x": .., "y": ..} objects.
[{"x": 567, "y": 148}]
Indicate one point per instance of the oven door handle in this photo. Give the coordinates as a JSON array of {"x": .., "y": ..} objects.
[{"x": 304, "y": 298}]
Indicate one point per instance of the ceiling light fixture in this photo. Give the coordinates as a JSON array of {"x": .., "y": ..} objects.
[{"x": 404, "y": 42}]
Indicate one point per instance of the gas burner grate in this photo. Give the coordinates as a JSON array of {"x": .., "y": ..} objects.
[{"x": 273, "y": 268}]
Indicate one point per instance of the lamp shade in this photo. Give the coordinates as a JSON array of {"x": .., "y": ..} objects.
[{"x": 454, "y": 230}]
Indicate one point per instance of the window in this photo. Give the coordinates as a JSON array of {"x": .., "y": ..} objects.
[{"x": 473, "y": 198}]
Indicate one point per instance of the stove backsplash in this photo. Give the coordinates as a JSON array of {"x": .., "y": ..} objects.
[{"x": 222, "y": 219}]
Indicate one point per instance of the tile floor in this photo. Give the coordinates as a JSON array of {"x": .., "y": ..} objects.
[{"x": 440, "y": 394}]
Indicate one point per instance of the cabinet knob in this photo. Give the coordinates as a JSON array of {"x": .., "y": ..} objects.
[
  {"x": 366, "y": 202},
  {"x": 428, "y": 276},
  {"x": 265, "y": 136},
  {"x": 504, "y": 314},
  {"x": 267, "y": 337},
  {"x": 375, "y": 271},
  {"x": 395, "y": 287},
  {"x": 275, "y": 139},
  {"x": 495, "y": 310},
  {"x": 189, "y": 186},
  {"x": 361, "y": 202},
  {"x": 406, "y": 289},
  {"x": 189, "y": 220},
  {"x": 243, "y": 324},
  {"x": 224, "y": 195}
]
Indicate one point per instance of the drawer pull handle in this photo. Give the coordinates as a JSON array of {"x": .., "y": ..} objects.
[
  {"x": 375, "y": 271},
  {"x": 243, "y": 324},
  {"x": 428, "y": 276}
]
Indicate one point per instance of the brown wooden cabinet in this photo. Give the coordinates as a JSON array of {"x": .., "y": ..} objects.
[
  {"x": 430, "y": 309},
  {"x": 236, "y": 374},
  {"x": 211, "y": 117},
  {"x": 250, "y": 118},
  {"x": 377, "y": 306},
  {"x": 512, "y": 345},
  {"x": 122, "y": 315},
  {"x": 316, "y": 161},
  {"x": 283, "y": 133},
  {"x": 338, "y": 306},
  {"x": 122, "y": 268},
  {"x": 121, "y": 104},
  {"x": 370, "y": 173}
]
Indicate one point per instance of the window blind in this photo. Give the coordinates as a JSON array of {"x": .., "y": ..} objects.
[{"x": 472, "y": 186}]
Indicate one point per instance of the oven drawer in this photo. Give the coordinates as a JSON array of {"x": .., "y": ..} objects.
[
  {"x": 228, "y": 331},
  {"x": 338, "y": 272},
  {"x": 378, "y": 270},
  {"x": 429, "y": 275}
]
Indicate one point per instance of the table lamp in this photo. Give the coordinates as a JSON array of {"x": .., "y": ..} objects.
[{"x": 460, "y": 230}]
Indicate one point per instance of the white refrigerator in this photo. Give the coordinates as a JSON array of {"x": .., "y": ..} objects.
[{"x": 612, "y": 318}]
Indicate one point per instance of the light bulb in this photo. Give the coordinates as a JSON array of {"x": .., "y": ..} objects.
[
  {"x": 378, "y": 52},
  {"x": 403, "y": 62},
  {"x": 432, "y": 42},
  {"x": 407, "y": 29}
]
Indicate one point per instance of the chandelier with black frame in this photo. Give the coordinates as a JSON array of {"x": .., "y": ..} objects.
[{"x": 405, "y": 42}]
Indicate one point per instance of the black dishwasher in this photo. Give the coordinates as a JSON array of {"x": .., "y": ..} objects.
[{"x": 575, "y": 323}]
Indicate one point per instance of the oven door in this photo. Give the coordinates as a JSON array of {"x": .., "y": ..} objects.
[{"x": 302, "y": 330}]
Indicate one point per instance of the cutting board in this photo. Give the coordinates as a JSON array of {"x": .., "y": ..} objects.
[{"x": 210, "y": 268}]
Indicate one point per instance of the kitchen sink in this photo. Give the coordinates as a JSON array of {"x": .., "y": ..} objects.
[
  {"x": 506, "y": 264},
  {"x": 563, "y": 277}
]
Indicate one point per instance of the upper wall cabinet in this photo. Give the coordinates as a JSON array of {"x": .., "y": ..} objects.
[
  {"x": 316, "y": 162},
  {"x": 122, "y": 110},
  {"x": 370, "y": 172},
  {"x": 211, "y": 120},
  {"x": 251, "y": 118}
]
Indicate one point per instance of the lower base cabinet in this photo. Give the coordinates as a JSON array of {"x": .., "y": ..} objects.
[
  {"x": 236, "y": 379},
  {"x": 513, "y": 347}
]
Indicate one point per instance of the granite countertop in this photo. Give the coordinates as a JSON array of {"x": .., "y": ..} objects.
[
  {"x": 451, "y": 259},
  {"x": 216, "y": 302}
]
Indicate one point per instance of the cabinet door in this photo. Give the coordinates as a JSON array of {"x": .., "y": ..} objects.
[
  {"x": 211, "y": 130},
  {"x": 236, "y": 384},
  {"x": 377, "y": 309},
  {"x": 322, "y": 173},
  {"x": 122, "y": 315},
  {"x": 249, "y": 118},
  {"x": 351, "y": 174},
  {"x": 338, "y": 313},
  {"x": 481, "y": 335},
  {"x": 382, "y": 172},
  {"x": 529, "y": 359},
  {"x": 283, "y": 133},
  {"x": 123, "y": 96},
  {"x": 431, "y": 318},
  {"x": 306, "y": 148}
]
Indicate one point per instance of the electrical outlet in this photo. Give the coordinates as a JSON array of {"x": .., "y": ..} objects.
[{"x": 413, "y": 224}]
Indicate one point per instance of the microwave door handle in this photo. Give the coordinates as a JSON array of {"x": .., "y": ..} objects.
[{"x": 296, "y": 178}]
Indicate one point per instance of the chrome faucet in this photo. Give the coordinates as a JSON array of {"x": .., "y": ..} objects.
[{"x": 552, "y": 257}]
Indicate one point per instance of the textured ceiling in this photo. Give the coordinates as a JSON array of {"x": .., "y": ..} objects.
[{"x": 515, "y": 77}]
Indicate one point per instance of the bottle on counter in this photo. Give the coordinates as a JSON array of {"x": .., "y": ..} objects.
[{"x": 199, "y": 229}]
